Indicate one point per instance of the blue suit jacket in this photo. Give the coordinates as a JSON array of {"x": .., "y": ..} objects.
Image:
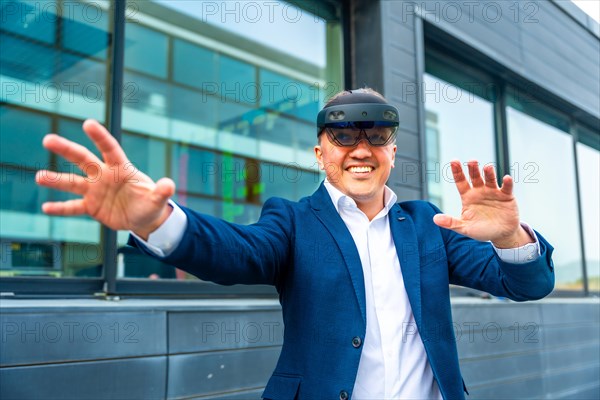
[{"x": 306, "y": 251}]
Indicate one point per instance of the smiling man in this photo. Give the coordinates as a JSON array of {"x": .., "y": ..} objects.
[{"x": 363, "y": 281}]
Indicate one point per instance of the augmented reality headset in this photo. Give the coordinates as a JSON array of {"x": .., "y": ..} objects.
[{"x": 346, "y": 124}]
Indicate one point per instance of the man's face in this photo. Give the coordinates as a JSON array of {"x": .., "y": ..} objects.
[{"x": 359, "y": 172}]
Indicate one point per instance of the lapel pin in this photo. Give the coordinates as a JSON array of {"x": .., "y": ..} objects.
[{"x": 401, "y": 218}]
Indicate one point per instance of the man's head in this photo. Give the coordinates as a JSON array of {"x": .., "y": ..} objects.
[{"x": 357, "y": 132}]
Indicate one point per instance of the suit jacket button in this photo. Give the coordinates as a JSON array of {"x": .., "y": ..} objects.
[
  {"x": 343, "y": 395},
  {"x": 356, "y": 342}
]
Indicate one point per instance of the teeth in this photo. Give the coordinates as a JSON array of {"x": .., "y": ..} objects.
[{"x": 360, "y": 169}]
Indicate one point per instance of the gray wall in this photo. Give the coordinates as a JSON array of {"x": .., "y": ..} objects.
[
  {"x": 137, "y": 349},
  {"x": 548, "y": 349},
  {"x": 227, "y": 349}
]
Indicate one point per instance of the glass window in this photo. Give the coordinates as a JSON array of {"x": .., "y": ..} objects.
[
  {"x": 22, "y": 133},
  {"x": 237, "y": 80},
  {"x": 543, "y": 167},
  {"x": 284, "y": 94},
  {"x": 32, "y": 19},
  {"x": 195, "y": 171},
  {"x": 146, "y": 49},
  {"x": 459, "y": 125},
  {"x": 194, "y": 65},
  {"x": 86, "y": 32},
  {"x": 23, "y": 61},
  {"x": 236, "y": 104},
  {"x": 588, "y": 165},
  {"x": 52, "y": 78},
  {"x": 148, "y": 155},
  {"x": 53, "y": 74}
]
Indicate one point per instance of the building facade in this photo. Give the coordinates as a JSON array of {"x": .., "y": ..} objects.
[{"x": 222, "y": 97}]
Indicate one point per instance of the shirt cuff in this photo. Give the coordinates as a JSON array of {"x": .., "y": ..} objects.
[
  {"x": 524, "y": 254},
  {"x": 166, "y": 237}
]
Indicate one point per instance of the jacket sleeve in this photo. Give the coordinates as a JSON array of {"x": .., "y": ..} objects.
[
  {"x": 475, "y": 264},
  {"x": 226, "y": 253}
]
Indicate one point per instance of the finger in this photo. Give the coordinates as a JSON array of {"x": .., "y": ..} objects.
[
  {"x": 72, "y": 151},
  {"x": 109, "y": 147},
  {"x": 165, "y": 188},
  {"x": 476, "y": 179},
  {"x": 69, "y": 207},
  {"x": 448, "y": 222},
  {"x": 490, "y": 176},
  {"x": 459, "y": 177},
  {"x": 507, "y": 184},
  {"x": 61, "y": 181}
]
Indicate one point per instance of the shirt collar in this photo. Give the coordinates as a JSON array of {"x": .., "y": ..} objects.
[{"x": 340, "y": 200}]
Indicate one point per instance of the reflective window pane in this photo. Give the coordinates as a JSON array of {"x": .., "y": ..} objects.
[
  {"x": 146, "y": 49},
  {"x": 30, "y": 18},
  {"x": 543, "y": 167},
  {"x": 195, "y": 171},
  {"x": 22, "y": 133},
  {"x": 588, "y": 164},
  {"x": 86, "y": 31},
  {"x": 233, "y": 108},
  {"x": 147, "y": 155},
  {"x": 53, "y": 74},
  {"x": 459, "y": 125},
  {"x": 194, "y": 65}
]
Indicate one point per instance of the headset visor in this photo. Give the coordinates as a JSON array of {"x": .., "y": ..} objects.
[{"x": 377, "y": 133}]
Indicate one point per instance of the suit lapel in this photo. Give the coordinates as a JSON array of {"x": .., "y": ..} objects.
[
  {"x": 405, "y": 239},
  {"x": 328, "y": 215}
]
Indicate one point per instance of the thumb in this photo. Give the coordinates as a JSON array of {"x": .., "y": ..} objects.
[
  {"x": 164, "y": 189},
  {"x": 448, "y": 222}
]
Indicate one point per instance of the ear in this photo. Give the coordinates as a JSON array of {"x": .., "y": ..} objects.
[
  {"x": 394, "y": 155},
  {"x": 319, "y": 156}
]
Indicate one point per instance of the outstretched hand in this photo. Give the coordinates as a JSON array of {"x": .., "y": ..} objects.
[
  {"x": 113, "y": 191},
  {"x": 488, "y": 211}
]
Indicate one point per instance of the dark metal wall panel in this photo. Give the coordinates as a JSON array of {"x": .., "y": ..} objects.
[
  {"x": 408, "y": 144},
  {"x": 569, "y": 378},
  {"x": 506, "y": 349},
  {"x": 405, "y": 193},
  {"x": 543, "y": 349},
  {"x": 242, "y": 395},
  {"x": 208, "y": 331},
  {"x": 584, "y": 54},
  {"x": 557, "y": 313},
  {"x": 589, "y": 391},
  {"x": 506, "y": 367},
  {"x": 400, "y": 35},
  {"x": 401, "y": 87},
  {"x": 33, "y": 338},
  {"x": 525, "y": 387},
  {"x": 557, "y": 335},
  {"x": 217, "y": 372},
  {"x": 540, "y": 42},
  {"x": 407, "y": 173},
  {"x": 367, "y": 45},
  {"x": 134, "y": 378},
  {"x": 557, "y": 356}
]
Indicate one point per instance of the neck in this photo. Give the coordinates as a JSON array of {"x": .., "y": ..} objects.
[{"x": 371, "y": 207}]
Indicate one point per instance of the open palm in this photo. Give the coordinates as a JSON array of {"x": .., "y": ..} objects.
[
  {"x": 113, "y": 191},
  {"x": 488, "y": 211}
]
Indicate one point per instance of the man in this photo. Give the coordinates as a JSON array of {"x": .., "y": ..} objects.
[{"x": 363, "y": 281}]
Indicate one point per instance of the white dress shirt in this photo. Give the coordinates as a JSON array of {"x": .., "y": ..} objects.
[{"x": 393, "y": 362}]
